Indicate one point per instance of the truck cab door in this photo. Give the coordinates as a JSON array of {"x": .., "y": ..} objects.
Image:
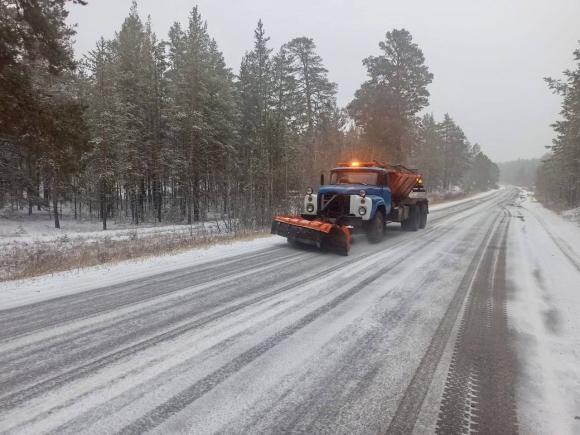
[{"x": 383, "y": 183}]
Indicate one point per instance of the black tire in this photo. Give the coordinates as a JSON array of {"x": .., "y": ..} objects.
[
  {"x": 423, "y": 216},
  {"x": 412, "y": 222},
  {"x": 375, "y": 228}
]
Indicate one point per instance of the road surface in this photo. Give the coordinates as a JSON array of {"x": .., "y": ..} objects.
[{"x": 408, "y": 335}]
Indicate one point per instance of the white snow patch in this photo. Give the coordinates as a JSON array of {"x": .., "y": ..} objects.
[
  {"x": 573, "y": 215},
  {"x": 544, "y": 271}
]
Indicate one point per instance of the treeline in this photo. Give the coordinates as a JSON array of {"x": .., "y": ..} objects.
[
  {"x": 521, "y": 172},
  {"x": 558, "y": 180},
  {"x": 147, "y": 129}
]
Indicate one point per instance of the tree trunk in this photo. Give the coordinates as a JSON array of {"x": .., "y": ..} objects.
[
  {"x": 104, "y": 204},
  {"x": 55, "y": 206},
  {"x": 30, "y": 205}
]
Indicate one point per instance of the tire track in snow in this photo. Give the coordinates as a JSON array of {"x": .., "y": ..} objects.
[
  {"x": 479, "y": 395},
  {"x": 51, "y": 343},
  {"x": 410, "y": 405},
  {"x": 11, "y": 400},
  {"x": 344, "y": 384},
  {"x": 49, "y": 313},
  {"x": 88, "y": 369},
  {"x": 82, "y": 421},
  {"x": 73, "y": 350},
  {"x": 197, "y": 390}
]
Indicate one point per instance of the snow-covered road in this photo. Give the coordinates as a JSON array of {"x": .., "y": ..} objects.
[{"x": 423, "y": 332}]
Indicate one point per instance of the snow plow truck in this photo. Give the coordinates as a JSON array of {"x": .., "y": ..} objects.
[{"x": 360, "y": 196}]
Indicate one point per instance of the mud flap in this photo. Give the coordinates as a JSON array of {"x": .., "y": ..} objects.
[{"x": 315, "y": 233}]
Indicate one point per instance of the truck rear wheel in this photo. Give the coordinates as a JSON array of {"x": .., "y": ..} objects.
[
  {"x": 423, "y": 216},
  {"x": 412, "y": 222},
  {"x": 375, "y": 228}
]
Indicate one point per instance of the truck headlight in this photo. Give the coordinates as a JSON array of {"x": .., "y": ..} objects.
[
  {"x": 309, "y": 208},
  {"x": 362, "y": 211}
]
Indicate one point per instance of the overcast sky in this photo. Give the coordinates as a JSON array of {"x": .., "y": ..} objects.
[{"x": 488, "y": 57}]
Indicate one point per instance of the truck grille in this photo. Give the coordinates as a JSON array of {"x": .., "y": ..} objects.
[{"x": 334, "y": 206}]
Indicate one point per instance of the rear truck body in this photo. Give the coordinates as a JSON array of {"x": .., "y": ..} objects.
[{"x": 361, "y": 196}]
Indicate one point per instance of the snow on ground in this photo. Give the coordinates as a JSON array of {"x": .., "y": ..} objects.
[
  {"x": 544, "y": 312},
  {"x": 445, "y": 204},
  {"x": 572, "y": 215},
  {"x": 19, "y": 228},
  {"x": 21, "y": 292}
]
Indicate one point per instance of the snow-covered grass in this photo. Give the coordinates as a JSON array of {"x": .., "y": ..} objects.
[
  {"x": 18, "y": 228},
  {"x": 31, "y": 246},
  {"x": 28, "y": 259}
]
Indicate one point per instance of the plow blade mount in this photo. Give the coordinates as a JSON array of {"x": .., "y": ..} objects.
[{"x": 315, "y": 232}]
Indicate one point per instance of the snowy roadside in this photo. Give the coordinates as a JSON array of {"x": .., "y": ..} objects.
[
  {"x": 23, "y": 291},
  {"x": 24, "y": 231},
  {"x": 444, "y": 204},
  {"x": 30, "y": 290},
  {"x": 572, "y": 215},
  {"x": 544, "y": 274},
  {"x": 31, "y": 246}
]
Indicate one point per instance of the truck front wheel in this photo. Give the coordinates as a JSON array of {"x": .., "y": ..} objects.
[{"x": 375, "y": 228}]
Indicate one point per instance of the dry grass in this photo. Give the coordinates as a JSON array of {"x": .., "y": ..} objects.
[{"x": 34, "y": 259}]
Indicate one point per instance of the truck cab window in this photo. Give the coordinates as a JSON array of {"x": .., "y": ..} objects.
[{"x": 368, "y": 178}]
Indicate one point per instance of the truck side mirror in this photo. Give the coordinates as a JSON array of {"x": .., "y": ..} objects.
[{"x": 322, "y": 178}]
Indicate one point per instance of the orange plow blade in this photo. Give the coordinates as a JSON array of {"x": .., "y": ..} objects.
[{"x": 312, "y": 232}]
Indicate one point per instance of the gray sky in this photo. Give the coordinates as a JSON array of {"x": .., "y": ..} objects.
[{"x": 488, "y": 57}]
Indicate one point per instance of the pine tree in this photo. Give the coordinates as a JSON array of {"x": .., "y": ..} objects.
[
  {"x": 201, "y": 114},
  {"x": 559, "y": 176},
  {"x": 454, "y": 151},
  {"x": 107, "y": 118},
  {"x": 255, "y": 87},
  {"x": 428, "y": 152},
  {"x": 37, "y": 109},
  {"x": 313, "y": 102},
  {"x": 385, "y": 106}
]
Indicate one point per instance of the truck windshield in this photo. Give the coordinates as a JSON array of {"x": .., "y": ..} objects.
[{"x": 354, "y": 177}]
